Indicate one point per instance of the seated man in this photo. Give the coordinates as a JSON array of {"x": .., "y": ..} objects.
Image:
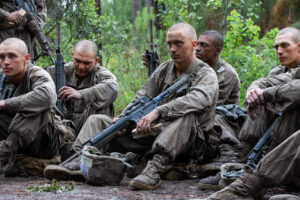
[
  {"x": 287, "y": 46},
  {"x": 188, "y": 117},
  {"x": 90, "y": 88},
  {"x": 26, "y": 106},
  {"x": 281, "y": 165}
]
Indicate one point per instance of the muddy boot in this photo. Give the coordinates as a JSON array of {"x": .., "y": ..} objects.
[
  {"x": 8, "y": 151},
  {"x": 66, "y": 171},
  {"x": 210, "y": 183},
  {"x": 137, "y": 162},
  {"x": 149, "y": 178},
  {"x": 247, "y": 187},
  {"x": 284, "y": 197}
]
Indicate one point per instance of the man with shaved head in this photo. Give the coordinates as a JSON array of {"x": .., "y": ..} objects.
[
  {"x": 287, "y": 46},
  {"x": 187, "y": 116},
  {"x": 279, "y": 92},
  {"x": 90, "y": 88},
  {"x": 27, "y": 99}
]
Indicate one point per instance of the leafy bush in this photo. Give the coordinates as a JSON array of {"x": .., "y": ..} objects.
[{"x": 251, "y": 56}]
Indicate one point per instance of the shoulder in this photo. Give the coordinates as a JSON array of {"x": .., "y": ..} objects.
[
  {"x": 103, "y": 72},
  {"x": 227, "y": 69},
  {"x": 277, "y": 70},
  {"x": 38, "y": 72}
]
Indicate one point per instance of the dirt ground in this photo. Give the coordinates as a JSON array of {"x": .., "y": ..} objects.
[{"x": 16, "y": 188}]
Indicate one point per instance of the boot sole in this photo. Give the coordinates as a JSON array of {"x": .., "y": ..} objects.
[
  {"x": 143, "y": 186},
  {"x": 62, "y": 174},
  {"x": 202, "y": 186}
]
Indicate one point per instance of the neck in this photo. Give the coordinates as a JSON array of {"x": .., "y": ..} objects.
[
  {"x": 181, "y": 67},
  {"x": 213, "y": 62},
  {"x": 294, "y": 64}
]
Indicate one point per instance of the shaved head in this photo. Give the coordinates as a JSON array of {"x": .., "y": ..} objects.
[
  {"x": 86, "y": 46},
  {"x": 186, "y": 29},
  {"x": 20, "y": 44},
  {"x": 295, "y": 33}
]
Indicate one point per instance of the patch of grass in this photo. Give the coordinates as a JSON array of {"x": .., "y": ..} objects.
[{"x": 54, "y": 186}]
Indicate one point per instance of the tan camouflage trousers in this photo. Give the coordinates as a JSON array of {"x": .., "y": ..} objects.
[
  {"x": 281, "y": 165},
  {"x": 253, "y": 130},
  {"x": 178, "y": 138}
]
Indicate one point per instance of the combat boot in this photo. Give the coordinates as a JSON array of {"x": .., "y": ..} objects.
[
  {"x": 247, "y": 187},
  {"x": 137, "y": 162},
  {"x": 284, "y": 197},
  {"x": 149, "y": 178},
  {"x": 8, "y": 152},
  {"x": 210, "y": 183},
  {"x": 241, "y": 152},
  {"x": 212, "y": 170},
  {"x": 66, "y": 171}
]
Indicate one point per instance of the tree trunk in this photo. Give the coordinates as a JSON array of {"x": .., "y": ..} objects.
[
  {"x": 136, "y": 6},
  {"x": 99, "y": 12}
]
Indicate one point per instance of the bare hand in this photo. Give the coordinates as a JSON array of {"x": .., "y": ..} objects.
[
  {"x": 31, "y": 26},
  {"x": 144, "y": 125},
  {"x": 14, "y": 17},
  {"x": 255, "y": 97},
  {"x": 69, "y": 93},
  {"x": 146, "y": 58},
  {"x": 2, "y": 105}
]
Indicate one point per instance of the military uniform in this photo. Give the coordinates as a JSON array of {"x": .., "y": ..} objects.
[
  {"x": 252, "y": 130},
  {"x": 99, "y": 90},
  {"x": 229, "y": 93},
  {"x": 20, "y": 30},
  {"x": 29, "y": 113},
  {"x": 229, "y": 83},
  {"x": 188, "y": 117}
]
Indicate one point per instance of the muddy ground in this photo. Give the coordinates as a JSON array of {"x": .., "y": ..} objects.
[{"x": 16, "y": 188}]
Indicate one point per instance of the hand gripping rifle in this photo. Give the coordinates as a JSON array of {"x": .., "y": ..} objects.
[
  {"x": 29, "y": 7},
  {"x": 59, "y": 70},
  {"x": 131, "y": 116},
  {"x": 152, "y": 56},
  {"x": 256, "y": 153}
]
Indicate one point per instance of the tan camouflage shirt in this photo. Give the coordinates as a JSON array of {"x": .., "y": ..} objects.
[
  {"x": 200, "y": 97},
  {"x": 20, "y": 30},
  {"x": 35, "y": 94},
  {"x": 229, "y": 83},
  {"x": 99, "y": 90}
]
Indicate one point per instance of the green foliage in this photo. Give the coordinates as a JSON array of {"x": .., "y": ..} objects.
[
  {"x": 251, "y": 56},
  {"x": 54, "y": 186}
]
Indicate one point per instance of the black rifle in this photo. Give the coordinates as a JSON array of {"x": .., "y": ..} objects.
[
  {"x": 59, "y": 70},
  {"x": 152, "y": 56},
  {"x": 131, "y": 116},
  {"x": 29, "y": 7},
  {"x": 256, "y": 153},
  {"x": 8, "y": 92}
]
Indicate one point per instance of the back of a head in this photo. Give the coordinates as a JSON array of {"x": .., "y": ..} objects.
[
  {"x": 20, "y": 44},
  {"x": 295, "y": 33},
  {"x": 86, "y": 46},
  {"x": 215, "y": 36},
  {"x": 187, "y": 30}
]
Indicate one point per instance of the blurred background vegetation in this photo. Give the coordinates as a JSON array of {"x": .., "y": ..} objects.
[{"x": 121, "y": 30}]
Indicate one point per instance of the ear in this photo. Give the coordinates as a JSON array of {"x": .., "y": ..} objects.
[
  {"x": 27, "y": 59},
  {"x": 97, "y": 59},
  {"x": 72, "y": 53},
  {"x": 194, "y": 43},
  {"x": 219, "y": 49}
]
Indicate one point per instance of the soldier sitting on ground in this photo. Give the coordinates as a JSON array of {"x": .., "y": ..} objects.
[
  {"x": 280, "y": 167},
  {"x": 187, "y": 117},
  {"x": 26, "y": 107},
  {"x": 90, "y": 88}
]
